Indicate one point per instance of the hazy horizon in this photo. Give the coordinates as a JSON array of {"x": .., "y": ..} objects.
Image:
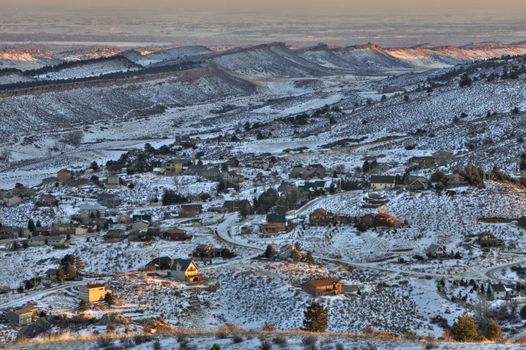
[{"x": 238, "y": 22}]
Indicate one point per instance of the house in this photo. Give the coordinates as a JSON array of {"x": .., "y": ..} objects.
[
  {"x": 246, "y": 230},
  {"x": 173, "y": 168},
  {"x": 163, "y": 263},
  {"x": 115, "y": 235},
  {"x": 211, "y": 174},
  {"x": 322, "y": 287},
  {"x": 231, "y": 164},
  {"x": 455, "y": 180},
  {"x": 499, "y": 291},
  {"x": 142, "y": 217},
  {"x": 113, "y": 181},
  {"x": 435, "y": 251},
  {"x": 185, "y": 270},
  {"x": 242, "y": 206},
  {"x": 11, "y": 200},
  {"x": 54, "y": 241},
  {"x": 37, "y": 241},
  {"x": 377, "y": 220},
  {"x": 61, "y": 228},
  {"x": 81, "y": 230},
  {"x": 314, "y": 186},
  {"x": 382, "y": 182},
  {"x": 424, "y": 162},
  {"x": 57, "y": 241},
  {"x": 64, "y": 175},
  {"x": 488, "y": 240},
  {"x": 417, "y": 183},
  {"x": 10, "y": 232},
  {"x": 47, "y": 200},
  {"x": 261, "y": 164},
  {"x": 208, "y": 251},
  {"x": 92, "y": 293},
  {"x": 191, "y": 210},
  {"x": 140, "y": 225},
  {"x": 231, "y": 177},
  {"x": 141, "y": 236},
  {"x": 22, "y": 316},
  {"x": 443, "y": 157},
  {"x": 320, "y": 217},
  {"x": 174, "y": 234},
  {"x": 108, "y": 200},
  {"x": 313, "y": 171},
  {"x": 342, "y": 219},
  {"x": 88, "y": 211},
  {"x": 275, "y": 224}
]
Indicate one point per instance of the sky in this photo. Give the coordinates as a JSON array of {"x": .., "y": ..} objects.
[
  {"x": 247, "y": 22},
  {"x": 512, "y": 8}
]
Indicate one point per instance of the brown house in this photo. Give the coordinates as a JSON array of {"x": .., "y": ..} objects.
[
  {"x": 64, "y": 175},
  {"x": 456, "y": 180},
  {"x": 320, "y": 217},
  {"x": 191, "y": 210},
  {"x": 175, "y": 234},
  {"x": 47, "y": 200},
  {"x": 322, "y": 287},
  {"x": 238, "y": 205},
  {"x": 424, "y": 162},
  {"x": 488, "y": 240},
  {"x": 275, "y": 224}
]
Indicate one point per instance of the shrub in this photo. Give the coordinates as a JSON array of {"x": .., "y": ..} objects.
[
  {"x": 309, "y": 343},
  {"x": 280, "y": 341},
  {"x": 465, "y": 329},
  {"x": 493, "y": 331},
  {"x": 265, "y": 345},
  {"x": 237, "y": 339}
]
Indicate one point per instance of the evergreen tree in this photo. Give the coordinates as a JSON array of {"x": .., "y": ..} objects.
[
  {"x": 270, "y": 252},
  {"x": 316, "y": 318},
  {"x": 61, "y": 276},
  {"x": 79, "y": 265},
  {"x": 94, "y": 166},
  {"x": 465, "y": 80},
  {"x": 108, "y": 298},
  {"x": 83, "y": 305},
  {"x": 493, "y": 331},
  {"x": 70, "y": 272},
  {"x": 465, "y": 329},
  {"x": 31, "y": 226},
  {"x": 309, "y": 259}
]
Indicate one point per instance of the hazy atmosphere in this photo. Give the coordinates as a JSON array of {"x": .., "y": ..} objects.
[{"x": 235, "y": 22}]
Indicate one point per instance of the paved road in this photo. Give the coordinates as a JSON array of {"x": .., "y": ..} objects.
[
  {"x": 20, "y": 299},
  {"x": 231, "y": 221}
]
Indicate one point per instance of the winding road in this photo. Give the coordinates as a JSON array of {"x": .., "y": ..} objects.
[{"x": 230, "y": 221}]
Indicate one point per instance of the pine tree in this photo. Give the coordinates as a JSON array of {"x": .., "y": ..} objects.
[
  {"x": 493, "y": 331},
  {"x": 465, "y": 329},
  {"x": 270, "y": 252},
  {"x": 61, "y": 276},
  {"x": 316, "y": 318},
  {"x": 465, "y": 80},
  {"x": 108, "y": 298},
  {"x": 83, "y": 305},
  {"x": 70, "y": 271},
  {"x": 309, "y": 259},
  {"x": 31, "y": 226},
  {"x": 79, "y": 265}
]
